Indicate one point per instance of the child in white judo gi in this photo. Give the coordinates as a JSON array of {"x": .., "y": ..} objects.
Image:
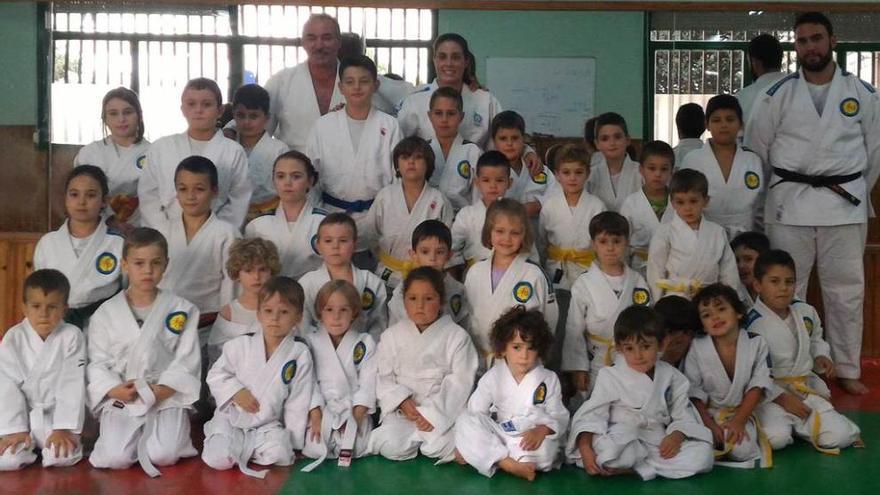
[
  {"x": 647, "y": 208},
  {"x": 345, "y": 396},
  {"x": 613, "y": 175},
  {"x": 798, "y": 356},
  {"x": 201, "y": 104},
  {"x": 689, "y": 251},
  {"x": 682, "y": 322},
  {"x": 83, "y": 248},
  {"x": 144, "y": 365},
  {"x": 293, "y": 224},
  {"x": 729, "y": 375},
  {"x": 735, "y": 174},
  {"x": 508, "y": 278},
  {"x": 508, "y": 130},
  {"x": 252, "y": 262},
  {"x": 454, "y": 157},
  {"x": 42, "y": 379},
  {"x": 403, "y": 205},
  {"x": 263, "y": 385},
  {"x": 250, "y": 109},
  {"x": 121, "y": 155},
  {"x": 597, "y": 298},
  {"x": 747, "y": 246},
  {"x": 690, "y": 123},
  {"x": 426, "y": 365},
  {"x": 431, "y": 246},
  {"x": 638, "y": 418},
  {"x": 515, "y": 419},
  {"x": 337, "y": 237}
]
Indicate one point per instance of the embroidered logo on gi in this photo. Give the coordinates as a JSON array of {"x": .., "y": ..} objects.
[
  {"x": 540, "y": 178},
  {"x": 106, "y": 263},
  {"x": 522, "y": 292},
  {"x": 849, "y": 107},
  {"x": 288, "y": 371},
  {"x": 368, "y": 298},
  {"x": 360, "y": 350},
  {"x": 640, "y": 297},
  {"x": 540, "y": 394},
  {"x": 455, "y": 304},
  {"x": 314, "y": 243},
  {"x": 478, "y": 119},
  {"x": 752, "y": 180},
  {"x": 139, "y": 163},
  {"x": 176, "y": 322},
  {"x": 464, "y": 169},
  {"x": 808, "y": 324}
]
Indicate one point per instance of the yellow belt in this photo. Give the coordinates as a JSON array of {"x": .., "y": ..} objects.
[
  {"x": 799, "y": 384},
  {"x": 766, "y": 449},
  {"x": 690, "y": 287},
  {"x": 257, "y": 209},
  {"x": 395, "y": 264},
  {"x": 609, "y": 347},
  {"x": 580, "y": 257}
]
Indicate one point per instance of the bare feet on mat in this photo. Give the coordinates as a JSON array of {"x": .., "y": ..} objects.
[
  {"x": 459, "y": 459},
  {"x": 524, "y": 470},
  {"x": 853, "y": 386}
]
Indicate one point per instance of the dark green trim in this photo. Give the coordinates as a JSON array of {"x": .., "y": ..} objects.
[
  {"x": 45, "y": 69},
  {"x": 648, "y": 92}
]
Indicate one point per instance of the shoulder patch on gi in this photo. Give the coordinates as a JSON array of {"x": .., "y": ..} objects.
[
  {"x": 140, "y": 162},
  {"x": 523, "y": 291},
  {"x": 849, "y": 107},
  {"x": 540, "y": 394},
  {"x": 752, "y": 180},
  {"x": 540, "y": 178},
  {"x": 455, "y": 304},
  {"x": 368, "y": 299},
  {"x": 288, "y": 371},
  {"x": 175, "y": 322},
  {"x": 809, "y": 325},
  {"x": 314, "y": 243},
  {"x": 360, "y": 350},
  {"x": 751, "y": 317},
  {"x": 106, "y": 263},
  {"x": 641, "y": 297},
  {"x": 464, "y": 169},
  {"x": 791, "y": 77},
  {"x": 319, "y": 211}
]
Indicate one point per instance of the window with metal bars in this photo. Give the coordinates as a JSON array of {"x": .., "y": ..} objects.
[{"x": 155, "y": 50}]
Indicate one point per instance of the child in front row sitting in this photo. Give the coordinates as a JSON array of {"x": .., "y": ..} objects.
[
  {"x": 426, "y": 365},
  {"x": 798, "y": 355},
  {"x": 638, "y": 418},
  {"x": 431, "y": 246},
  {"x": 515, "y": 419},
  {"x": 727, "y": 367},
  {"x": 682, "y": 322},
  {"x": 345, "y": 396},
  {"x": 689, "y": 251},
  {"x": 42, "y": 379},
  {"x": 263, "y": 385},
  {"x": 251, "y": 263}
]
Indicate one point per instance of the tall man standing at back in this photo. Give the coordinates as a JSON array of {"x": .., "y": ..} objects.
[
  {"x": 765, "y": 60},
  {"x": 819, "y": 131}
]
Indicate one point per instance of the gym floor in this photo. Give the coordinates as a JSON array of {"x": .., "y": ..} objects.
[{"x": 797, "y": 469}]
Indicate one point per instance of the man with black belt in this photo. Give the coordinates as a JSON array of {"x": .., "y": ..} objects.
[{"x": 818, "y": 130}]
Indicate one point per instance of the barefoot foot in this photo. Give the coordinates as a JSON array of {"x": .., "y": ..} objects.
[
  {"x": 524, "y": 470},
  {"x": 459, "y": 459}
]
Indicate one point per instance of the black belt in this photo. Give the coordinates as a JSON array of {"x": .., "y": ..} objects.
[{"x": 832, "y": 182}]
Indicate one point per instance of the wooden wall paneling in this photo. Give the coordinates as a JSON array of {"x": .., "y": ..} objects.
[
  {"x": 62, "y": 164},
  {"x": 16, "y": 263},
  {"x": 23, "y": 187}
]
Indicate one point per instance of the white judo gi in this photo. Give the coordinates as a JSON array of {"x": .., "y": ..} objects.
[
  {"x": 589, "y": 328},
  {"x": 261, "y": 159},
  {"x": 684, "y": 147},
  {"x": 681, "y": 259},
  {"x": 346, "y": 377},
  {"x": 601, "y": 185},
  {"x": 536, "y": 400},
  {"x": 527, "y": 188},
  {"x": 523, "y": 284},
  {"x": 454, "y": 173},
  {"x": 722, "y": 394},
  {"x": 749, "y": 94},
  {"x": 792, "y": 356},
  {"x": 374, "y": 297},
  {"x": 43, "y": 385},
  {"x": 630, "y": 414},
  {"x": 565, "y": 231},
  {"x": 296, "y": 241},
  {"x": 467, "y": 232},
  {"x": 435, "y": 368},
  {"x": 456, "y": 305},
  {"x": 737, "y": 203},
  {"x": 123, "y": 166},
  {"x": 282, "y": 383},
  {"x": 241, "y": 322},
  {"x": 480, "y": 107},
  {"x": 643, "y": 222},
  {"x": 390, "y": 225},
  {"x": 816, "y": 224},
  {"x": 163, "y": 351}
]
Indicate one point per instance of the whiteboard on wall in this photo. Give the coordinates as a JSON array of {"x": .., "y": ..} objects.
[{"x": 554, "y": 95}]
